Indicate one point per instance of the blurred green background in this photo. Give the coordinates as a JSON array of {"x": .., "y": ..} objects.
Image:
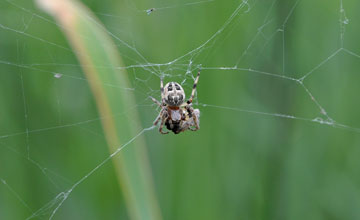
[{"x": 258, "y": 154}]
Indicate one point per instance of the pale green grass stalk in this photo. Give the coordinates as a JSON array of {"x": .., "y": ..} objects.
[{"x": 94, "y": 48}]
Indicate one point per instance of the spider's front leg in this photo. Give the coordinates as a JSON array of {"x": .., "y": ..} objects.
[
  {"x": 156, "y": 101},
  {"x": 194, "y": 88},
  {"x": 162, "y": 90}
]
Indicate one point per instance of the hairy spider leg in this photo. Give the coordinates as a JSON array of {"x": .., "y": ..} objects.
[
  {"x": 162, "y": 90},
  {"x": 194, "y": 87},
  {"x": 195, "y": 119},
  {"x": 156, "y": 101},
  {"x": 157, "y": 119},
  {"x": 163, "y": 118},
  {"x": 188, "y": 106},
  {"x": 161, "y": 114},
  {"x": 196, "y": 123}
]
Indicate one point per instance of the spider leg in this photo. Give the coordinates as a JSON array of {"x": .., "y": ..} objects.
[
  {"x": 161, "y": 115},
  {"x": 194, "y": 87},
  {"x": 157, "y": 119},
  {"x": 162, "y": 90},
  {"x": 196, "y": 124},
  {"x": 192, "y": 129},
  {"x": 156, "y": 101},
  {"x": 162, "y": 125},
  {"x": 194, "y": 118}
]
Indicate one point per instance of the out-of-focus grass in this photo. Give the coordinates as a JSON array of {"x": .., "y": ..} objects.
[
  {"x": 94, "y": 49},
  {"x": 239, "y": 165}
]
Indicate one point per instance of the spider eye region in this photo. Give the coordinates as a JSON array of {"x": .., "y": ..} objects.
[
  {"x": 170, "y": 88},
  {"x": 175, "y": 99},
  {"x": 174, "y": 94}
]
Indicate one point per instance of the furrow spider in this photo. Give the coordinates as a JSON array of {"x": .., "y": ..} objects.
[{"x": 175, "y": 114}]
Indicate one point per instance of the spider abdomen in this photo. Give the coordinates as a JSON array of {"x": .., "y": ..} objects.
[
  {"x": 173, "y": 126},
  {"x": 175, "y": 115}
]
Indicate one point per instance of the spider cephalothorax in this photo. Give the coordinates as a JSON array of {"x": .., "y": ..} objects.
[
  {"x": 175, "y": 114},
  {"x": 174, "y": 94}
]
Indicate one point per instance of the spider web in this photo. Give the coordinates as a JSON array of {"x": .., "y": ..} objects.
[{"x": 264, "y": 66}]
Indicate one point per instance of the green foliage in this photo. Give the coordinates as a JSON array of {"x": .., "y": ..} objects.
[{"x": 260, "y": 153}]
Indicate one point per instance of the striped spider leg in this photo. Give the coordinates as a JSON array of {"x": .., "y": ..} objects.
[{"x": 189, "y": 107}]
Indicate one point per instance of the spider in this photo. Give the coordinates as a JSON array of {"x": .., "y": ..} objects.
[{"x": 175, "y": 114}]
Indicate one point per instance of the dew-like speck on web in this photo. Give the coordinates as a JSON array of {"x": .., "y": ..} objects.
[
  {"x": 58, "y": 75},
  {"x": 319, "y": 120}
]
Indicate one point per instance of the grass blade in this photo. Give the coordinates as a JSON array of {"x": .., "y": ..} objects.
[{"x": 94, "y": 50}]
